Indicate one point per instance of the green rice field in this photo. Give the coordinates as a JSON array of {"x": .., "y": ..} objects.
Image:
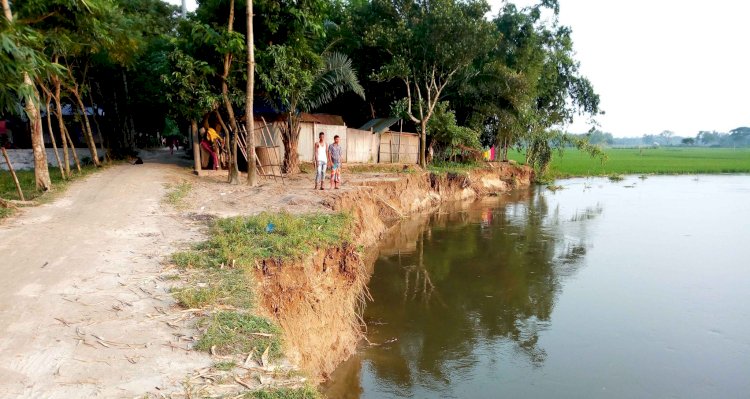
[{"x": 674, "y": 160}]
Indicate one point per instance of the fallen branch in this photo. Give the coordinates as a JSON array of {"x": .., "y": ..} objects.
[
  {"x": 13, "y": 173},
  {"x": 243, "y": 383},
  {"x": 7, "y": 204},
  {"x": 13, "y": 203}
]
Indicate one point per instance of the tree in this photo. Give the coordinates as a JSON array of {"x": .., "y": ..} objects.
[
  {"x": 252, "y": 173},
  {"x": 23, "y": 60},
  {"x": 190, "y": 94},
  {"x": 740, "y": 136},
  {"x": 665, "y": 137},
  {"x": 302, "y": 85},
  {"x": 429, "y": 42},
  {"x": 232, "y": 44},
  {"x": 446, "y": 132},
  {"x": 688, "y": 141}
]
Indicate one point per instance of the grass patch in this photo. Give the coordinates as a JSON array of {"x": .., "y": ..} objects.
[
  {"x": 219, "y": 273},
  {"x": 285, "y": 393},
  {"x": 616, "y": 177},
  {"x": 28, "y": 185},
  {"x": 225, "y": 366},
  {"x": 454, "y": 167},
  {"x": 244, "y": 240},
  {"x": 216, "y": 287},
  {"x": 177, "y": 193},
  {"x": 665, "y": 160},
  {"x": 231, "y": 332},
  {"x": 379, "y": 168}
]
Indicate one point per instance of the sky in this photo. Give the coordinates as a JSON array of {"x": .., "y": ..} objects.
[{"x": 660, "y": 65}]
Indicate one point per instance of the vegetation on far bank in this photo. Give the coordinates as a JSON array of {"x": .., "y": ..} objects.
[
  {"x": 218, "y": 274},
  {"x": 665, "y": 160},
  {"x": 28, "y": 185}
]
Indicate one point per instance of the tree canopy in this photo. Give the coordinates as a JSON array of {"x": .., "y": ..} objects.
[{"x": 130, "y": 69}]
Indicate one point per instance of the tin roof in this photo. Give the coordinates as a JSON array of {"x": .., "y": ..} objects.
[
  {"x": 323, "y": 119},
  {"x": 379, "y": 125}
]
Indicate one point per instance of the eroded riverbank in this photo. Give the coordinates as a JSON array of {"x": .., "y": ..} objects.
[{"x": 317, "y": 299}]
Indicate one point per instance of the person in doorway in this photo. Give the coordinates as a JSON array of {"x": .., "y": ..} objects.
[
  {"x": 334, "y": 156},
  {"x": 206, "y": 145},
  {"x": 320, "y": 160}
]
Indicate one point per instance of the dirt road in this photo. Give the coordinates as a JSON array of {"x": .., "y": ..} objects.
[{"x": 84, "y": 310}]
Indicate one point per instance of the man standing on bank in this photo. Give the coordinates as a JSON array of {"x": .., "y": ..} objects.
[
  {"x": 334, "y": 155},
  {"x": 320, "y": 160}
]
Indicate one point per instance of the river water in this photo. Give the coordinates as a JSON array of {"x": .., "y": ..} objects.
[{"x": 631, "y": 289}]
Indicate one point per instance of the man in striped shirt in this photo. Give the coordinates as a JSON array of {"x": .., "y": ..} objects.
[{"x": 334, "y": 155}]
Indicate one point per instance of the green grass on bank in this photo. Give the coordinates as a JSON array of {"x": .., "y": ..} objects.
[
  {"x": 285, "y": 393},
  {"x": 28, "y": 185},
  {"x": 177, "y": 192},
  {"x": 230, "y": 332},
  {"x": 665, "y": 160},
  {"x": 282, "y": 236},
  {"x": 454, "y": 167},
  {"x": 218, "y": 274}
]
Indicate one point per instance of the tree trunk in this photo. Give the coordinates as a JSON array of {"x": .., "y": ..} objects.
[
  {"x": 73, "y": 150},
  {"x": 52, "y": 138},
  {"x": 41, "y": 169},
  {"x": 41, "y": 172},
  {"x": 423, "y": 146},
  {"x": 233, "y": 132},
  {"x": 252, "y": 173},
  {"x": 87, "y": 134},
  {"x": 95, "y": 110},
  {"x": 61, "y": 125},
  {"x": 128, "y": 121},
  {"x": 290, "y": 137},
  {"x": 13, "y": 174},
  {"x": 6, "y": 11},
  {"x": 196, "y": 146}
]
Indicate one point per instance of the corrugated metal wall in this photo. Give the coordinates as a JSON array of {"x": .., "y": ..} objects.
[
  {"x": 360, "y": 146},
  {"x": 398, "y": 147}
]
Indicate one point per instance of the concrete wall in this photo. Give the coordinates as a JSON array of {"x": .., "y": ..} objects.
[{"x": 24, "y": 158}]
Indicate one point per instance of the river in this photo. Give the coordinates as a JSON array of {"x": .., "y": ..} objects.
[{"x": 630, "y": 289}]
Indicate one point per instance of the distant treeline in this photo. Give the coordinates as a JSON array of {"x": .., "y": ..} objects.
[{"x": 739, "y": 137}]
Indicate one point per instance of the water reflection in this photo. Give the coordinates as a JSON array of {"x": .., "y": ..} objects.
[{"x": 462, "y": 287}]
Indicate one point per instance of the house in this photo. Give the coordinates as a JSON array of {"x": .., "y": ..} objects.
[{"x": 393, "y": 146}]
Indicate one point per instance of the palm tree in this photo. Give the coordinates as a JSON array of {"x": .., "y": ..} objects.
[{"x": 334, "y": 76}]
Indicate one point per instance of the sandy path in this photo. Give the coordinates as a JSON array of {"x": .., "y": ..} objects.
[{"x": 83, "y": 312}]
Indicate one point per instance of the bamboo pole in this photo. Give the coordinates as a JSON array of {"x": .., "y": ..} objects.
[{"x": 13, "y": 173}]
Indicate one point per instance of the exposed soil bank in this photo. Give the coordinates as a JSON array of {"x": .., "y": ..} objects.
[{"x": 318, "y": 302}]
